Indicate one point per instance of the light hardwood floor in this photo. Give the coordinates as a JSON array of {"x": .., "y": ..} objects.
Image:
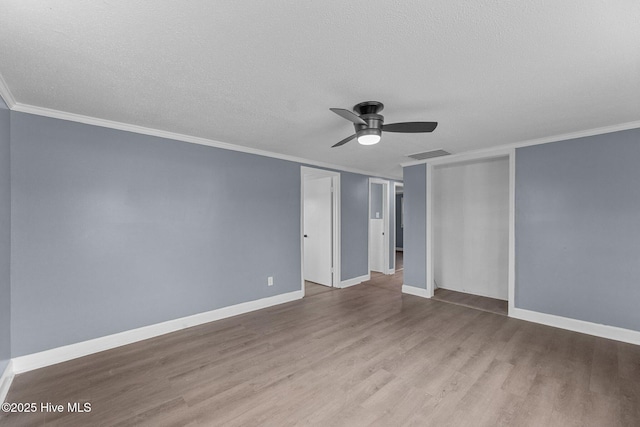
[
  {"x": 399, "y": 260},
  {"x": 365, "y": 355},
  {"x": 311, "y": 289},
  {"x": 491, "y": 305}
]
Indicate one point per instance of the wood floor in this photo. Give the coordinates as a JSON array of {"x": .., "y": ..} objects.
[
  {"x": 492, "y": 305},
  {"x": 399, "y": 260},
  {"x": 311, "y": 289},
  {"x": 365, "y": 355}
]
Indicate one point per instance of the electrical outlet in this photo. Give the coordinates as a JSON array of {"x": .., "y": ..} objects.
[{"x": 270, "y": 281}]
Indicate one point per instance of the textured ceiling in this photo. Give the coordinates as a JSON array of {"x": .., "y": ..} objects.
[{"x": 263, "y": 74}]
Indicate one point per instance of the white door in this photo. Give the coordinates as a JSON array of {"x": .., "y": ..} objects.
[
  {"x": 471, "y": 227},
  {"x": 317, "y": 230},
  {"x": 376, "y": 245},
  {"x": 377, "y": 226}
]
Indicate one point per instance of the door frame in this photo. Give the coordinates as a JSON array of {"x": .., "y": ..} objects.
[
  {"x": 395, "y": 221},
  {"x": 510, "y": 154},
  {"x": 335, "y": 221},
  {"x": 385, "y": 225}
]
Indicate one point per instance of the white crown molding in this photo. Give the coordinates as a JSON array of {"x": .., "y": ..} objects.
[
  {"x": 88, "y": 120},
  {"x": 355, "y": 281},
  {"x": 6, "y": 94},
  {"x": 73, "y": 351},
  {"x": 413, "y": 290},
  {"x": 589, "y": 328},
  {"x": 5, "y": 381},
  {"x": 500, "y": 149}
]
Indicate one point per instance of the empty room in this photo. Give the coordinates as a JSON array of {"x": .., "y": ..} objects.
[{"x": 319, "y": 213}]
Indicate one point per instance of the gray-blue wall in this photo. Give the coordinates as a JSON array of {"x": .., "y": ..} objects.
[
  {"x": 577, "y": 229},
  {"x": 415, "y": 214},
  {"x": 399, "y": 230},
  {"x": 5, "y": 237},
  {"x": 117, "y": 230},
  {"x": 114, "y": 230},
  {"x": 354, "y": 224}
]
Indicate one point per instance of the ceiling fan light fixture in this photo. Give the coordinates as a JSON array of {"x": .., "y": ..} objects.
[
  {"x": 369, "y": 136},
  {"x": 369, "y": 124},
  {"x": 369, "y": 139}
]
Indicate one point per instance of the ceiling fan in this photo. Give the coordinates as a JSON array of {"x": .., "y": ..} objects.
[{"x": 369, "y": 124}]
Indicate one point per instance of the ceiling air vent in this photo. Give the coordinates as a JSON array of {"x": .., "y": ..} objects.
[{"x": 429, "y": 154}]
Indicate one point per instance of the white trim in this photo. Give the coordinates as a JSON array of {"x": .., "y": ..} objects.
[
  {"x": 511, "y": 277},
  {"x": 509, "y": 153},
  {"x": 385, "y": 223},
  {"x": 429, "y": 273},
  {"x": 9, "y": 99},
  {"x": 62, "y": 354},
  {"x": 413, "y": 290},
  {"x": 400, "y": 249},
  {"x": 5, "y": 381},
  {"x": 6, "y": 94},
  {"x": 589, "y": 328},
  {"x": 395, "y": 221},
  {"x": 548, "y": 139},
  {"x": 63, "y": 115},
  {"x": 337, "y": 231},
  {"x": 302, "y": 287},
  {"x": 386, "y": 202},
  {"x": 335, "y": 221},
  {"x": 392, "y": 225},
  {"x": 355, "y": 281},
  {"x": 472, "y": 156}
]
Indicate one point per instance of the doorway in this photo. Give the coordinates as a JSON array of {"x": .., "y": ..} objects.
[
  {"x": 320, "y": 229},
  {"x": 398, "y": 226},
  {"x": 469, "y": 231},
  {"x": 379, "y": 226}
]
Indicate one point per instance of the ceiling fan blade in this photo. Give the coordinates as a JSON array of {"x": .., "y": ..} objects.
[
  {"x": 344, "y": 141},
  {"x": 410, "y": 127},
  {"x": 346, "y": 114}
]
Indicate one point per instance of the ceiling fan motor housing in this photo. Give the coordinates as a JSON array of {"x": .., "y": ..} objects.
[
  {"x": 368, "y": 107},
  {"x": 374, "y": 121},
  {"x": 368, "y": 111}
]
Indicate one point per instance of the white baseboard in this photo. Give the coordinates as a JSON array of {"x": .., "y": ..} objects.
[
  {"x": 62, "y": 354},
  {"x": 5, "y": 381},
  {"x": 412, "y": 290},
  {"x": 355, "y": 281},
  {"x": 596, "y": 329}
]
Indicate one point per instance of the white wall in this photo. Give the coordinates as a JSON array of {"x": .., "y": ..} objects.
[{"x": 471, "y": 227}]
